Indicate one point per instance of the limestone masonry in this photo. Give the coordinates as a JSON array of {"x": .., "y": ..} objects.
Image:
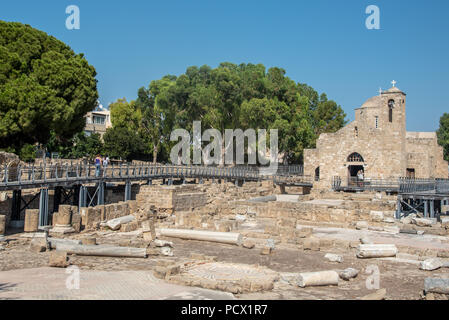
[{"x": 378, "y": 144}]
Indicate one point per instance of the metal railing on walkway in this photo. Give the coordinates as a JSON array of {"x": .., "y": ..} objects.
[{"x": 31, "y": 176}]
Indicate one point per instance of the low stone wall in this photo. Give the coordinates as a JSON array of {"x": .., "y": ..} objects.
[{"x": 169, "y": 199}]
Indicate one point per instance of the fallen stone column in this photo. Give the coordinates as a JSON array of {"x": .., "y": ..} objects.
[
  {"x": 55, "y": 241},
  {"x": 322, "y": 278},
  {"x": 102, "y": 251},
  {"x": 212, "y": 236},
  {"x": 376, "y": 251},
  {"x": 435, "y": 285},
  {"x": 115, "y": 224}
]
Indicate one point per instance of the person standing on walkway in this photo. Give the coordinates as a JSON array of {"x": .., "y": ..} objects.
[
  {"x": 97, "y": 166},
  {"x": 105, "y": 164}
]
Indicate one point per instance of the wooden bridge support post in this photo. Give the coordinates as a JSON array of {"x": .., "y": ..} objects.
[{"x": 43, "y": 208}]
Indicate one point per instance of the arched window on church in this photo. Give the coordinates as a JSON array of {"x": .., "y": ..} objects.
[
  {"x": 390, "y": 110},
  {"x": 355, "y": 157},
  {"x": 317, "y": 174},
  {"x": 356, "y": 132}
]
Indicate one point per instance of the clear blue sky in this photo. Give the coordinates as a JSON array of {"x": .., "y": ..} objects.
[{"x": 323, "y": 43}]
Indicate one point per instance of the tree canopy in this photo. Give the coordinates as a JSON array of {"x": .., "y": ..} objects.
[
  {"x": 229, "y": 97},
  {"x": 443, "y": 135},
  {"x": 45, "y": 88}
]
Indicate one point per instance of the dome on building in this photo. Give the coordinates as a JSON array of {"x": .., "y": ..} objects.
[{"x": 373, "y": 102}]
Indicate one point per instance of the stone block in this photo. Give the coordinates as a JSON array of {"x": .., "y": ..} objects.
[
  {"x": 129, "y": 227},
  {"x": 89, "y": 241},
  {"x": 377, "y": 216},
  {"x": 2, "y": 224},
  {"x": 304, "y": 232},
  {"x": 249, "y": 244},
  {"x": 266, "y": 250},
  {"x": 90, "y": 217},
  {"x": 76, "y": 222},
  {"x": 445, "y": 222},
  {"x": 39, "y": 244},
  {"x": 360, "y": 225},
  {"x": 31, "y": 220},
  {"x": 326, "y": 243},
  {"x": 58, "y": 259},
  {"x": 272, "y": 230}
]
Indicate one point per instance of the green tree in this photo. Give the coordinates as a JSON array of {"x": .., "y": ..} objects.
[
  {"x": 234, "y": 96},
  {"x": 86, "y": 146},
  {"x": 44, "y": 87},
  {"x": 124, "y": 143},
  {"x": 157, "y": 114},
  {"x": 125, "y": 114},
  {"x": 443, "y": 135},
  {"x": 27, "y": 153}
]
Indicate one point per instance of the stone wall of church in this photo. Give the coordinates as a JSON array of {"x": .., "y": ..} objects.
[
  {"x": 383, "y": 159},
  {"x": 425, "y": 155}
]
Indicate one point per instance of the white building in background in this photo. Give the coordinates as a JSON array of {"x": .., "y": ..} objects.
[{"x": 98, "y": 121}]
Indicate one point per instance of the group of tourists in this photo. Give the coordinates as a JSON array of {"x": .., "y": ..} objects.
[{"x": 99, "y": 161}]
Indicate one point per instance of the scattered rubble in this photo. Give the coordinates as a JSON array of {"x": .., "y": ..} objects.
[
  {"x": 436, "y": 285},
  {"x": 115, "y": 224},
  {"x": 431, "y": 264},
  {"x": 334, "y": 257},
  {"x": 248, "y": 244},
  {"x": 348, "y": 274}
]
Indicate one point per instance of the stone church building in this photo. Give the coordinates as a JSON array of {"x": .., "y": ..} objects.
[{"x": 377, "y": 144}]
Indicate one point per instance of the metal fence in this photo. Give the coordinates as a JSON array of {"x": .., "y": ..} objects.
[{"x": 400, "y": 185}]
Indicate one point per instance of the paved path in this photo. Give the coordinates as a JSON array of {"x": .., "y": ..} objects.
[{"x": 51, "y": 284}]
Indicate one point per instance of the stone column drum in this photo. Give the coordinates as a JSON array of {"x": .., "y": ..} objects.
[{"x": 62, "y": 220}]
